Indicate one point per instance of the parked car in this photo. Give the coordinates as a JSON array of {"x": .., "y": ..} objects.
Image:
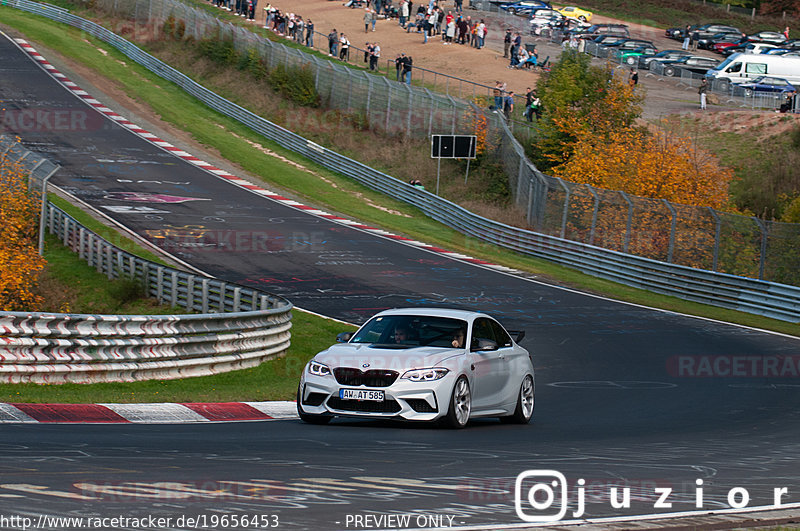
[
  {"x": 523, "y": 7},
  {"x": 721, "y": 47},
  {"x": 575, "y": 12},
  {"x": 423, "y": 364},
  {"x": 766, "y": 84},
  {"x": 771, "y": 37},
  {"x": 708, "y": 43},
  {"x": 663, "y": 55},
  {"x": 625, "y": 44},
  {"x": 501, "y": 3},
  {"x": 542, "y": 13},
  {"x": 703, "y": 30},
  {"x": 634, "y": 57},
  {"x": 596, "y": 30},
  {"x": 693, "y": 63}
]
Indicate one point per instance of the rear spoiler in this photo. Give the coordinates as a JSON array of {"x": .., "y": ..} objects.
[{"x": 518, "y": 335}]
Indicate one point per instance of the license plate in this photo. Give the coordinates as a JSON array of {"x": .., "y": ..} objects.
[{"x": 361, "y": 394}]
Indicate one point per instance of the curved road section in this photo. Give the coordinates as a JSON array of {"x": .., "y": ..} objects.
[{"x": 682, "y": 414}]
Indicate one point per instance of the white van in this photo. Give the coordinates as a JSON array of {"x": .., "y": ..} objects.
[{"x": 741, "y": 67}]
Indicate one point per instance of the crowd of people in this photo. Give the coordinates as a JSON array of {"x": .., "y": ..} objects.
[{"x": 428, "y": 19}]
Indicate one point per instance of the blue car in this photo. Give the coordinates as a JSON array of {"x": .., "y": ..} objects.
[
  {"x": 766, "y": 84},
  {"x": 524, "y": 7}
]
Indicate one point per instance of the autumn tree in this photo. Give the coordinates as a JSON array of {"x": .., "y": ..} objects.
[{"x": 20, "y": 263}]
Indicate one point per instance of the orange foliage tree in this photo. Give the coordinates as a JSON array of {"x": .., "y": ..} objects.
[{"x": 20, "y": 262}]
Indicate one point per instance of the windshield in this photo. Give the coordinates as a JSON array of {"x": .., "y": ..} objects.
[
  {"x": 406, "y": 331},
  {"x": 724, "y": 63}
]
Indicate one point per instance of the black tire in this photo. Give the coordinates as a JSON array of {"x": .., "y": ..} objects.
[
  {"x": 512, "y": 11},
  {"x": 669, "y": 71},
  {"x": 460, "y": 404},
  {"x": 309, "y": 417},
  {"x": 748, "y": 93},
  {"x": 630, "y": 60},
  {"x": 582, "y": 18},
  {"x": 525, "y": 403},
  {"x": 724, "y": 85}
]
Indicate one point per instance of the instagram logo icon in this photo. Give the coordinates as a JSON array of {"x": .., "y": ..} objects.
[{"x": 538, "y": 491}]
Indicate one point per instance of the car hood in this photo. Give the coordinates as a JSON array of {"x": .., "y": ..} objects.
[{"x": 366, "y": 357}]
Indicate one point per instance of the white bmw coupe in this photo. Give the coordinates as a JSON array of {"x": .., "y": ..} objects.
[{"x": 421, "y": 364}]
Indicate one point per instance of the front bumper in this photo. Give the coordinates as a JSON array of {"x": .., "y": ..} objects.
[{"x": 421, "y": 401}]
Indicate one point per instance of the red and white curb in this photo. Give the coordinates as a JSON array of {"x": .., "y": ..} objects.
[
  {"x": 161, "y": 413},
  {"x": 89, "y": 100}
]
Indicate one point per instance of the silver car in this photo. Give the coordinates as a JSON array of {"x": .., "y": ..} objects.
[{"x": 421, "y": 364}]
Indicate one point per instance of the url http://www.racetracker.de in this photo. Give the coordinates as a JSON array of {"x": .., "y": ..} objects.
[{"x": 199, "y": 521}]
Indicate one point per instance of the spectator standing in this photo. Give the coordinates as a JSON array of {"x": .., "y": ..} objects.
[
  {"x": 344, "y": 47},
  {"x": 367, "y": 18},
  {"x": 633, "y": 78},
  {"x": 481, "y": 33},
  {"x": 459, "y": 4},
  {"x": 407, "y": 66},
  {"x": 506, "y": 42},
  {"x": 310, "y": 33},
  {"x": 450, "y": 32},
  {"x": 528, "y": 104},
  {"x": 702, "y": 91},
  {"x": 405, "y": 9},
  {"x": 686, "y": 37},
  {"x": 374, "y": 19},
  {"x": 695, "y": 40},
  {"x": 333, "y": 43},
  {"x": 536, "y": 106},
  {"x": 786, "y": 33},
  {"x": 375, "y": 56},
  {"x": 398, "y": 64},
  {"x": 508, "y": 104},
  {"x": 498, "y": 92},
  {"x": 367, "y": 51}
]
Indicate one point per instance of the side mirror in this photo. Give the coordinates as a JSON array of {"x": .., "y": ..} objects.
[
  {"x": 484, "y": 345},
  {"x": 344, "y": 337}
]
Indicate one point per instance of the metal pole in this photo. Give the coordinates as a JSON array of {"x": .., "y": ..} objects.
[
  {"x": 438, "y": 166},
  {"x": 44, "y": 210},
  {"x": 467, "y": 175}
]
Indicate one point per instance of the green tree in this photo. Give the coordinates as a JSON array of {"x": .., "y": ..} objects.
[{"x": 593, "y": 96}]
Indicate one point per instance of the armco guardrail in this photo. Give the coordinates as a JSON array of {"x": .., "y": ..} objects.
[
  {"x": 779, "y": 301},
  {"x": 239, "y": 327}
]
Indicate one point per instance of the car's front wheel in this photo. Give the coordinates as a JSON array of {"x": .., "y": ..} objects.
[
  {"x": 748, "y": 92},
  {"x": 582, "y": 18},
  {"x": 525, "y": 403},
  {"x": 309, "y": 417},
  {"x": 460, "y": 404},
  {"x": 630, "y": 60},
  {"x": 669, "y": 71}
]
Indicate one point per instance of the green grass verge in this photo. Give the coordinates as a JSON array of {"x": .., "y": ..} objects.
[
  {"x": 72, "y": 286},
  {"x": 339, "y": 193}
]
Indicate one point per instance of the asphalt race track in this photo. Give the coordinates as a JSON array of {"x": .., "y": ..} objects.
[{"x": 626, "y": 396}]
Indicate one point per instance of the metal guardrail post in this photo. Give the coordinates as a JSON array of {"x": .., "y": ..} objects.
[
  {"x": 627, "y": 241},
  {"x": 717, "y": 237},
  {"x": 595, "y": 210},
  {"x": 762, "y": 259},
  {"x": 565, "y": 208},
  {"x": 43, "y": 211},
  {"x": 672, "y": 226}
]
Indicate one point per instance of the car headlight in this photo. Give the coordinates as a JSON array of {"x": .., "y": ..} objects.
[
  {"x": 318, "y": 369},
  {"x": 425, "y": 375}
]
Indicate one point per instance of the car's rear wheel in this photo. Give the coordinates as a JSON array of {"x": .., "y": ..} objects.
[
  {"x": 630, "y": 60},
  {"x": 525, "y": 403},
  {"x": 748, "y": 92},
  {"x": 582, "y": 18},
  {"x": 309, "y": 417},
  {"x": 669, "y": 71},
  {"x": 512, "y": 11},
  {"x": 724, "y": 85},
  {"x": 460, "y": 404}
]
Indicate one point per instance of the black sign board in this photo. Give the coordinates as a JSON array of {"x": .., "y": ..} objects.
[{"x": 453, "y": 146}]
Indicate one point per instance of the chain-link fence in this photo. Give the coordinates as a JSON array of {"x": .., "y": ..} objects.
[{"x": 685, "y": 235}]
